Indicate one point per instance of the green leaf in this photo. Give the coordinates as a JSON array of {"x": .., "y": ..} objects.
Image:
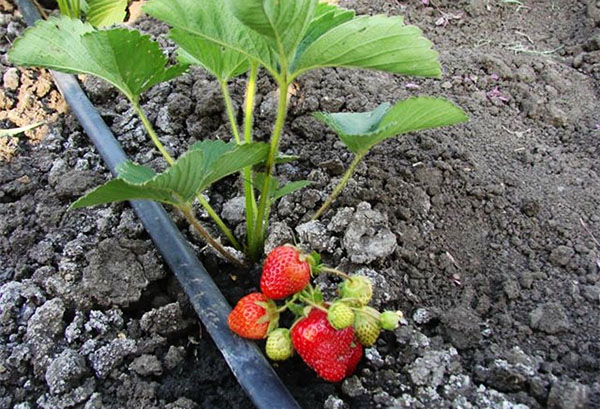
[
  {"x": 205, "y": 163},
  {"x": 361, "y": 131},
  {"x": 101, "y": 13},
  {"x": 377, "y": 42},
  {"x": 131, "y": 172},
  {"x": 354, "y": 123},
  {"x": 222, "y": 159},
  {"x": 213, "y": 21},
  {"x": 223, "y": 63},
  {"x": 284, "y": 22},
  {"x": 128, "y": 60},
  {"x": 15, "y": 131},
  {"x": 276, "y": 190},
  {"x": 259, "y": 182},
  {"x": 177, "y": 184},
  {"x": 290, "y": 188},
  {"x": 117, "y": 190},
  {"x": 327, "y": 16}
]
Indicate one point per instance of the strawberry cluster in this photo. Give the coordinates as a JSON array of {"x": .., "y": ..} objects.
[{"x": 328, "y": 336}]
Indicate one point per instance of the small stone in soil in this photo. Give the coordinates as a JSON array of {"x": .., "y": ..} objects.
[
  {"x": 11, "y": 79},
  {"x": 368, "y": 237},
  {"x": 550, "y": 318},
  {"x": 568, "y": 395},
  {"x": 107, "y": 358},
  {"x": 233, "y": 209},
  {"x": 146, "y": 365},
  {"x": 316, "y": 235},
  {"x": 64, "y": 371},
  {"x": 561, "y": 255},
  {"x": 461, "y": 327}
]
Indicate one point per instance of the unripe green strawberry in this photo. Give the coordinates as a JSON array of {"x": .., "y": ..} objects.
[
  {"x": 340, "y": 315},
  {"x": 357, "y": 287},
  {"x": 390, "y": 319},
  {"x": 279, "y": 345},
  {"x": 367, "y": 326}
]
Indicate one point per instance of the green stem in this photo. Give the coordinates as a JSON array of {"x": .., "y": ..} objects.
[
  {"x": 330, "y": 270},
  {"x": 152, "y": 133},
  {"x": 247, "y": 174},
  {"x": 230, "y": 113},
  {"x": 218, "y": 221},
  {"x": 188, "y": 213},
  {"x": 288, "y": 303},
  {"x": 368, "y": 312},
  {"x": 211, "y": 212},
  {"x": 340, "y": 186},
  {"x": 261, "y": 224},
  {"x": 249, "y": 102},
  {"x": 63, "y": 6},
  {"x": 312, "y": 304}
]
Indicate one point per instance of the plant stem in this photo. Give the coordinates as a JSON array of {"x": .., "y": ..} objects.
[
  {"x": 230, "y": 113},
  {"x": 334, "y": 271},
  {"x": 247, "y": 174},
  {"x": 312, "y": 304},
  {"x": 249, "y": 102},
  {"x": 152, "y": 133},
  {"x": 340, "y": 186},
  {"x": 63, "y": 6},
  {"x": 188, "y": 213},
  {"x": 218, "y": 221},
  {"x": 288, "y": 303},
  {"x": 211, "y": 212},
  {"x": 261, "y": 224},
  {"x": 76, "y": 8}
]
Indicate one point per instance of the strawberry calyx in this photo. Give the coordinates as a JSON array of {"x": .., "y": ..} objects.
[
  {"x": 314, "y": 261},
  {"x": 357, "y": 287},
  {"x": 271, "y": 314}
]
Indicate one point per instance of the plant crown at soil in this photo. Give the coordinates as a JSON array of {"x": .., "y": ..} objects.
[{"x": 230, "y": 38}]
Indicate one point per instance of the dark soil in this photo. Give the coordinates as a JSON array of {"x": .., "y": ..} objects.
[{"x": 480, "y": 227}]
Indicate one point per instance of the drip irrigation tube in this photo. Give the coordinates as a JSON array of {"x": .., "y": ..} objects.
[{"x": 250, "y": 367}]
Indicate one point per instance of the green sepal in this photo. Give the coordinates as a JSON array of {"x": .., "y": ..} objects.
[{"x": 296, "y": 309}]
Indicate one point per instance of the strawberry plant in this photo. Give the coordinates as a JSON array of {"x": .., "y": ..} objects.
[
  {"x": 231, "y": 38},
  {"x": 328, "y": 336},
  {"x": 99, "y": 13}
]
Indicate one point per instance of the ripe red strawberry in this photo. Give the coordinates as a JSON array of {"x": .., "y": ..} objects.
[
  {"x": 253, "y": 316},
  {"x": 332, "y": 353},
  {"x": 356, "y": 353},
  {"x": 285, "y": 272}
]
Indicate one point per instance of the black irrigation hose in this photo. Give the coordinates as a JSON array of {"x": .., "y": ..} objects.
[{"x": 252, "y": 370}]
